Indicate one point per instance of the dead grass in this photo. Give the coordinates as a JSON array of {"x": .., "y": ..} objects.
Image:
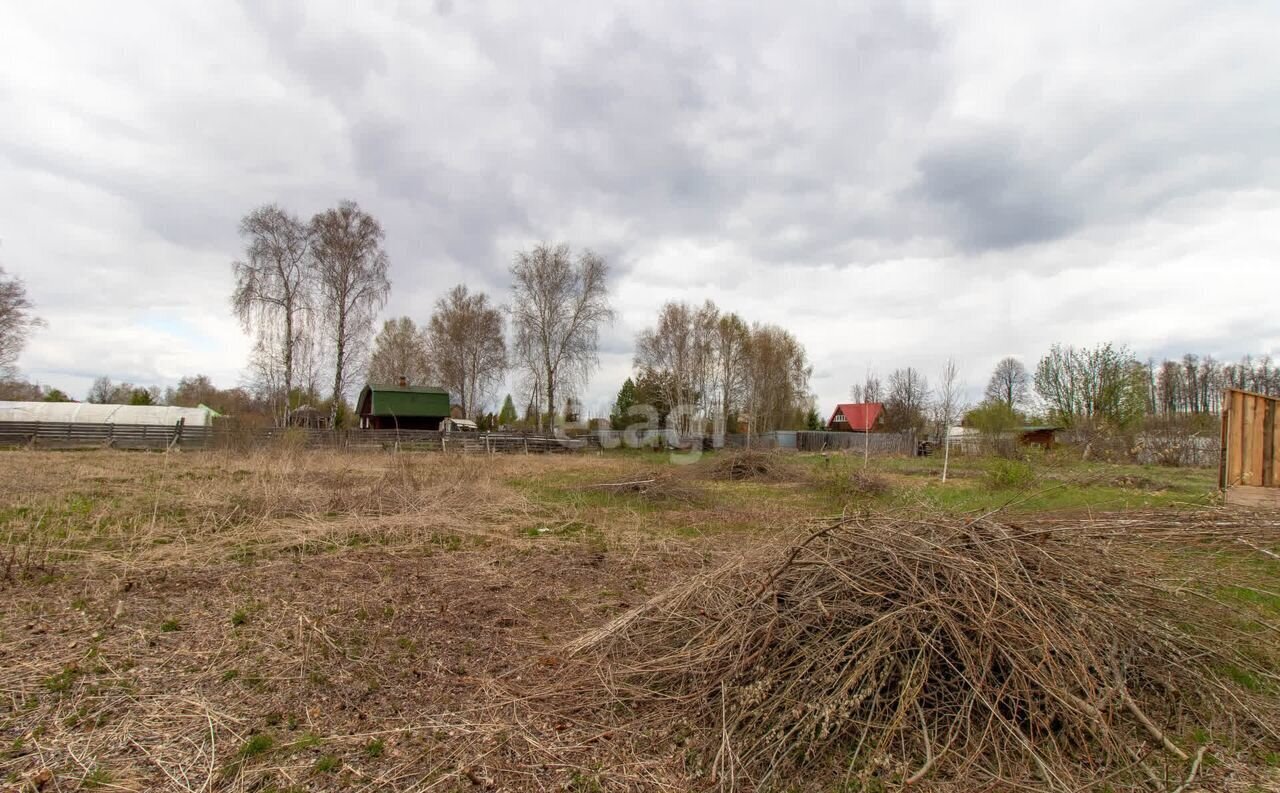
[{"x": 375, "y": 621}]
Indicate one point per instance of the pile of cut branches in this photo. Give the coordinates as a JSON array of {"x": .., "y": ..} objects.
[
  {"x": 902, "y": 649},
  {"x": 742, "y": 464}
]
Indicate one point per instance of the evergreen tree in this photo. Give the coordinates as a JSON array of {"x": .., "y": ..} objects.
[
  {"x": 507, "y": 417},
  {"x": 626, "y": 398}
]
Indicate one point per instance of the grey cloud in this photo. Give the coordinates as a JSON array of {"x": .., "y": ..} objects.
[
  {"x": 993, "y": 194},
  {"x": 336, "y": 62}
]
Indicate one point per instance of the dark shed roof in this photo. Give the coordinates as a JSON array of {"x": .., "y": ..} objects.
[{"x": 396, "y": 400}]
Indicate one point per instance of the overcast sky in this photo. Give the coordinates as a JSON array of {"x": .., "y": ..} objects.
[{"x": 896, "y": 183}]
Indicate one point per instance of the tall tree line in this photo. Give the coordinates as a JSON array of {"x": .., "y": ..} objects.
[
  {"x": 702, "y": 365},
  {"x": 1108, "y": 383},
  {"x": 1194, "y": 384}
]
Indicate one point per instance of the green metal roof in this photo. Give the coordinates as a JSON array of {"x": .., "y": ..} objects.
[{"x": 394, "y": 400}]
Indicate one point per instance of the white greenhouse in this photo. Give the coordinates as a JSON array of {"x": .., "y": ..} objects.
[{"x": 90, "y": 413}]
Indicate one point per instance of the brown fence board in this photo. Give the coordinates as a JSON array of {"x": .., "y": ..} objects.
[
  {"x": 1251, "y": 459},
  {"x": 1268, "y": 444}
]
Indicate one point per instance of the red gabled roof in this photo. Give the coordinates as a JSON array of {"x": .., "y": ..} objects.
[{"x": 861, "y": 416}]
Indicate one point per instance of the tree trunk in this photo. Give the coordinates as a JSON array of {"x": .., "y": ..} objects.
[
  {"x": 551, "y": 401},
  {"x": 337, "y": 371},
  {"x": 288, "y": 358}
]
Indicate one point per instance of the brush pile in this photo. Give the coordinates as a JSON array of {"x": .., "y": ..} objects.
[
  {"x": 867, "y": 484},
  {"x": 907, "y": 648},
  {"x": 743, "y": 464}
]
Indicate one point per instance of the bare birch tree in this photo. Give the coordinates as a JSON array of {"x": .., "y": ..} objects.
[
  {"x": 947, "y": 407},
  {"x": 906, "y": 400},
  {"x": 557, "y": 308},
  {"x": 778, "y": 379},
  {"x": 677, "y": 349},
  {"x": 1010, "y": 383},
  {"x": 400, "y": 350},
  {"x": 466, "y": 347},
  {"x": 352, "y": 267},
  {"x": 869, "y": 390},
  {"x": 732, "y": 348},
  {"x": 16, "y": 322},
  {"x": 273, "y": 297}
]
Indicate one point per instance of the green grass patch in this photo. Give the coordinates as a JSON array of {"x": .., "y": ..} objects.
[
  {"x": 257, "y": 744},
  {"x": 62, "y": 681},
  {"x": 1267, "y": 601},
  {"x": 98, "y": 777},
  {"x": 326, "y": 764}
]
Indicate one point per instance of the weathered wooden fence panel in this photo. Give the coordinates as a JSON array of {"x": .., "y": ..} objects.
[
  {"x": 49, "y": 435},
  {"x": 872, "y": 442},
  {"x": 1250, "y": 449},
  {"x": 70, "y": 435},
  {"x": 66, "y": 435}
]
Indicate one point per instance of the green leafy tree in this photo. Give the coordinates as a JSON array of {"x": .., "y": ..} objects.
[
  {"x": 1090, "y": 385},
  {"x": 994, "y": 417}
]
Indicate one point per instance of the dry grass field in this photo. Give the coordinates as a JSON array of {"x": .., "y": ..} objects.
[{"x": 312, "y": 620}]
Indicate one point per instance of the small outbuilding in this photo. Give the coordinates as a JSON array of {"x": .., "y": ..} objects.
[
  {"x": 1044, "y": 437},
  {"x": 404, "y": 407},
  {"x": 308, "y": 417},
  {"x": 857, "y": 417}
]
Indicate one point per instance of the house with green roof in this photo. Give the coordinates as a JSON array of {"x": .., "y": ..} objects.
[{"x": 405, "y": 407}]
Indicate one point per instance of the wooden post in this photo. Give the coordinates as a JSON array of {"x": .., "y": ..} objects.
[
  {"x": 1268, "y": 445},
  {"x": 946, "y": 454},
  {"x": 1259, "y": 440},
  {"x": 1224, "y": 442}
]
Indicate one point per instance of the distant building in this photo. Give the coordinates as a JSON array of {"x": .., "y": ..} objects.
[
  {"x": 964, "y": 440},
  {"x": 1044, "y": 437},
  {"x": 309, "y": 417},
  {"x": 857, "y": 417},
  {"x": 93, "y": 413},
  {"x": 405, "y": 407}
]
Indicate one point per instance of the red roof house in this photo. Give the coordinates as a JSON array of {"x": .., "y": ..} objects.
[{"x": 857, "y": 417}]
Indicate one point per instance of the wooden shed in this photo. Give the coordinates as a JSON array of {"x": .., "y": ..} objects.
[
  {"x": 1249, "y": 473},
  {"x": 1044, "y": 437},
  {"x": 389, "y": 407}
]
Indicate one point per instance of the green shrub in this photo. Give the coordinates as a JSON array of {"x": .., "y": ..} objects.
[{"x": 1010, "y": 475}]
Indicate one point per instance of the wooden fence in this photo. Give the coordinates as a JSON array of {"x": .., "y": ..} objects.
[
  {"x": 872, "y": 442},
  {"x": 49, "y": 435},
  {"x": 1250, "y": 467},
  {"x": 63, "y": 435}
]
